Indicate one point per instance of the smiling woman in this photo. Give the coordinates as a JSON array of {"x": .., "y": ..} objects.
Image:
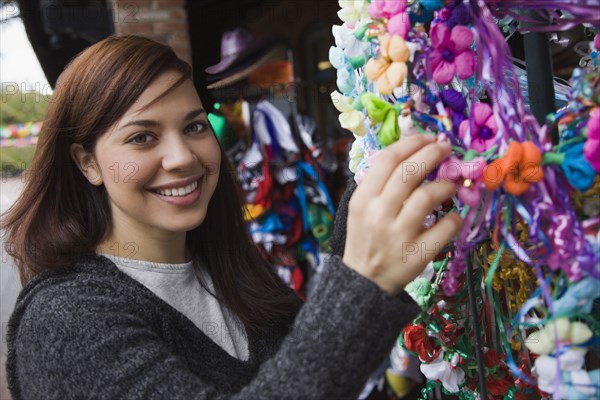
[
  {"x": 140, "y": 279},
  {"x": 172, "y": 157}
]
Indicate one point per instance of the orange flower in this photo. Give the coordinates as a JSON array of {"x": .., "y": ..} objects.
[
  {"x": 390, "y": 69},
  {"x": 517, "y": 169}
]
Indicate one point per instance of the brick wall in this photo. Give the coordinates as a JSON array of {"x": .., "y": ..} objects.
[{"x": 162, "y": 20}]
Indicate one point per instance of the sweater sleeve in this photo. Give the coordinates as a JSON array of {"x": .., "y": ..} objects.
[{"x": 98, "y": 347}]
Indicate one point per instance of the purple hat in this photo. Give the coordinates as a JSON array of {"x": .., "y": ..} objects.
[{"x": 235, "y": 46}]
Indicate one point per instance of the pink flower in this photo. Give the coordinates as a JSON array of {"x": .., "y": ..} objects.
[
  {"x": 591, "y": 149},
  {"x": 469, "y": 173},
  {"x": 395, "y": 12},
  {"x": 483, "y": 134},
  {"x": 451, "y": 53}
]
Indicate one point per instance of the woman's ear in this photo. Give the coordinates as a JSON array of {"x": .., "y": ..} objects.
[{"x": 87, "y": 164}]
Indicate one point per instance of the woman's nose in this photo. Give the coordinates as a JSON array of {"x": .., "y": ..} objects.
[{"x": 178, "y": 154}]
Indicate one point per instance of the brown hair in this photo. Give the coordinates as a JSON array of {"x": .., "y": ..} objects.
[{"x": 60, "y": 215}]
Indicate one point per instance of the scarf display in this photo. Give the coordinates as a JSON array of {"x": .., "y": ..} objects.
[{"x": 288, "y": 209}]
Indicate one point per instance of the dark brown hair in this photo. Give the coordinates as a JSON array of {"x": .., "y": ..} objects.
[{"x": 60, "y": 215}]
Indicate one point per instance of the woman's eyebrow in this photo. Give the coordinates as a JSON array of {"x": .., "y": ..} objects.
[
  {"x": 195, "y": 113},
  {"x": 148, "y": 123}
]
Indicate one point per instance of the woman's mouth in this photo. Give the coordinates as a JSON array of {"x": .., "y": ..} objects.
[{"x": 180, "y": 196}]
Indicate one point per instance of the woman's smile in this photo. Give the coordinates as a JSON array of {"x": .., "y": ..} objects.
[{"x": 180, "y": 196}]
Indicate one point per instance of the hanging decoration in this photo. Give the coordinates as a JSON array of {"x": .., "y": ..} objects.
[{"x": 530, "y": 243}]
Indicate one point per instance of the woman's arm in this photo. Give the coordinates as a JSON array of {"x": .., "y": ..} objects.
[{"x": 79, "y": 342}]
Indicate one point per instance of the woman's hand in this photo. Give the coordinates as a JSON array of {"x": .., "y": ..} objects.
[{"x": 386, "y": 240}]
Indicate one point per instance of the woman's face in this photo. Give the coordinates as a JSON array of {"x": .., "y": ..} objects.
[{"x": 160, "y": 166}]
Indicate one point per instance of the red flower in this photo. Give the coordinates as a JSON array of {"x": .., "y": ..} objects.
[
  {"x": 499, "y": 387},
  {"x": 417, "y": 341},
  {"x": 491, "y": 358}
]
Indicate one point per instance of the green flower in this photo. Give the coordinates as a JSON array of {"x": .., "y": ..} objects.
[{"x": 420, "y": 290}]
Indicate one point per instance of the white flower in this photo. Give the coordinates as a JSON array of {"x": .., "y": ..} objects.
[
  {"x": 352, "y": 10},
  {"x": 450, "y": 376},
  {"x": 345, "y": 39},
  {"x": 572, "y": 373}
]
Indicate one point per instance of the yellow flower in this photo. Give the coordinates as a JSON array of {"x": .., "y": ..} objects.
[
  {"x": 389, "y": 70},
  {"x": 350, "y": 119},
  {"x": 568, "y": 333},
  {"x": 356, "y": 155}
]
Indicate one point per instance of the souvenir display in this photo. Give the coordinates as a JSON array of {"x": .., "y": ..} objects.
[{"x": 509, "y": 310}]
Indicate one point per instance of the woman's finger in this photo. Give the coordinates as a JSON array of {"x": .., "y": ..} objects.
[
  {"x": 410, "y": 174},
  {"x": 421, "y": 203},
  {"x": 386, "y": 162},
  {"x": 438, "y": 236}
]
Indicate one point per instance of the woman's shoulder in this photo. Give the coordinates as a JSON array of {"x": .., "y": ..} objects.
[
  {"x": 93, "y": 281},
  {"x": 88, "y": 272}
]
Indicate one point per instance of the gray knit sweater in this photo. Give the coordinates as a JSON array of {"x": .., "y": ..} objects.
[{"x": 91, "y": 331}]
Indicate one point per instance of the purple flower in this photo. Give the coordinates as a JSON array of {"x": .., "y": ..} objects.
[
  {"x": 457, "y": 104},
  {"x": 460, "y": 16},
  {"x": 483, "y": 134},
  {"x": 451, "y": 53}
]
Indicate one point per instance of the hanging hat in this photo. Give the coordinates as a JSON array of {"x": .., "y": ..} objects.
[
  {"x": 250, "y": 64},
  {"x": 236, "y": 46}
]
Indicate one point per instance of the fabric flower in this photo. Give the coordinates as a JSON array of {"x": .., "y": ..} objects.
[
  {"x": 483, "y": 133},
  {"x": 451, "y": 53},
  {"x": 346, "y": 79},
  {"x": 469, "y": 173},
  {"x": 364, "y": 165},
  {"x": 353, "y": 48},
  {"x": 443, "y": 371},
  {"x": 417, "y": 341},
  {"x": 577, "y": 168},
  {"x": 389, "y": 70},
  {"x": 350, "y": 119},
  {"x": 420, "y": 290},
  {"x": 578, "y": 298},
  {"x": 517, "y": 169},
  {"x": 499, "y": 387},
  {"x": 575, "y": 381},
  {"x": 456, "y": 105},
  {"x": 356, "y": 155},
  {"x": 394, "y": 11},
  {"x": 591, "y": 149},
  {"x": 544, "y": 341},
  {"x": 352, "y": 10},
  {"x": 380, "y": 111},
  {"x": 460, "y": 15},
  {"x": 425, "y": 12}
]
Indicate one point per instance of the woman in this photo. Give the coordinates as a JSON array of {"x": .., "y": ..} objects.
[{"x": 140, "y": 280}]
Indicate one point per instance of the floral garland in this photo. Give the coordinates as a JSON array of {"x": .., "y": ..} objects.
[{"x": 530, "y": 208}]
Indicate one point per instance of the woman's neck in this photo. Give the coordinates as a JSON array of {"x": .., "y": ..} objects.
[{"x": 166, "y": 250}]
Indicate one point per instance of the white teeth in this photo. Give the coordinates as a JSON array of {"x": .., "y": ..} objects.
[{"x": 182, "y": 191}]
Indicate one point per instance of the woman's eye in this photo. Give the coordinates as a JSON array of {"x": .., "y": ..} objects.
[
  {"x": 141, "y": 138},
  {"x": 196, "y": 127}
]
